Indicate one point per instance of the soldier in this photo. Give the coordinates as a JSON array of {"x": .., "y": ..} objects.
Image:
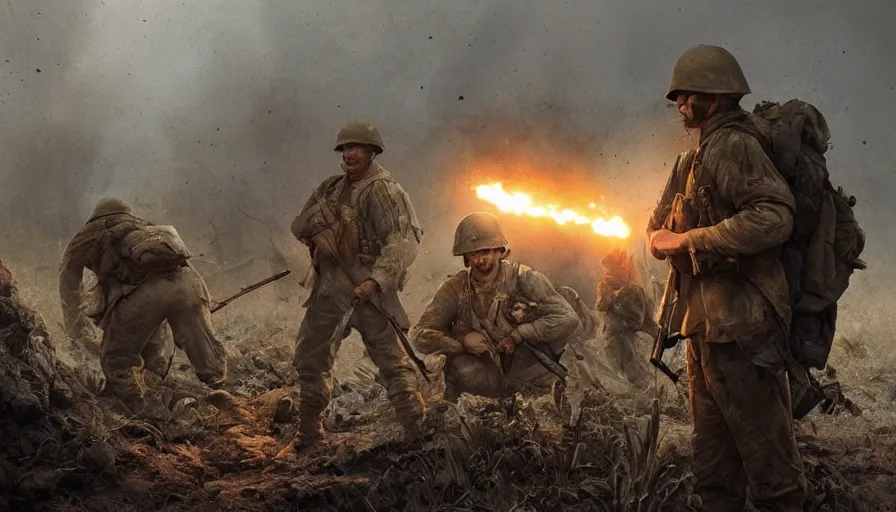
[
  {"x": 735, "y": 213},
  {"x": 626, "y": 310},
  {"x": 478, "y": 317},
  {"x": 143, "y": 280},
  {"x": 363, "y": 235}
]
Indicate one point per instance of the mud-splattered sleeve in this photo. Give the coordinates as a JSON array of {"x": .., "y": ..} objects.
[
  {"x": 71, "y": 272},
  {"x": 396, "y": 228},
  {"x": 311, "y": 220},
  {"x": 746, "y": 178},
  {"x": 556, "y": 318},
  {"x": 432, "y": 331}
]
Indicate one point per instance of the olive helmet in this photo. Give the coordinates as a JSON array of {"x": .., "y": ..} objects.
[
  {"x": 360, "y": 132},
  {"x": 478, "y": 231},
  {"x": 109, "y": 206},
  {"x": 709, "y": 70}
]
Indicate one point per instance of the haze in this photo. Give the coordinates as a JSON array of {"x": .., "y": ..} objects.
[{"x": 219, "y": 118}]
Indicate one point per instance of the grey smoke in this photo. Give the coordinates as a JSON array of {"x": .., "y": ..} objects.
[{"x": 219, "y": 118}]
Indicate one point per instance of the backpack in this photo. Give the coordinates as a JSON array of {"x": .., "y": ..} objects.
[
  {"x": 824, "y": 248},
  {"x": 134, "y": 252}
]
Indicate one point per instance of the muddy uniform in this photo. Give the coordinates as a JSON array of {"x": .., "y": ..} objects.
[
  {"x": 625, "y": 309},
  {"x": 736, "y": 311},
  {"x": 378, "y": 235},
  {"x": 132, "y": 305},
  {"x": 459, "y": 306}
]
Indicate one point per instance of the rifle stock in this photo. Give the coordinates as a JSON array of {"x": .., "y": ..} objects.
[{"x": 671, "y": 203}]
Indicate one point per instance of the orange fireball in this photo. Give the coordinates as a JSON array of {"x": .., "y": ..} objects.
[{"x": 523, "y": 204}]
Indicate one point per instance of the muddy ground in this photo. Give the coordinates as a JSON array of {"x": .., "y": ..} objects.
[{"x": 64, "y": 450}]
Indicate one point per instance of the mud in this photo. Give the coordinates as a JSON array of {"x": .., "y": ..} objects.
[{"x": 64, "y": 450}]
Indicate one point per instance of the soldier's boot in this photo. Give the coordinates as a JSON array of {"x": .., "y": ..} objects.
[
  {"x": 411, "y": 413},
  {"x": 215, "y": 382},
  {"x": 311, "y": 428}
]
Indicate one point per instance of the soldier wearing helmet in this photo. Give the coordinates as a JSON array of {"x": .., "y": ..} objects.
[
  {"x": 479, "y": 316},
  {"x": 731, "y": 212},
  {"x": 143, "y": 282},
  {"x": 625, "y": 311},
  {"x": 363, "y": 234}
]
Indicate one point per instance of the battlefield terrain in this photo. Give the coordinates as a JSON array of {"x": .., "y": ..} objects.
[{"x": 231, "y": 451}]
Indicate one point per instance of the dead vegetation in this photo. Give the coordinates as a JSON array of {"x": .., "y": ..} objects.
[{"x": 64, "y": 451}]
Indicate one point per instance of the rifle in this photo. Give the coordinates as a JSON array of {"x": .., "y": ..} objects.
[
  {"x": 665, "y": 339},
  {"x": 402, "y": 335},
  {"x": 669, "y": 317},
  {"x": 546, "y": 360},
  {"x": 249, "y": 289}
]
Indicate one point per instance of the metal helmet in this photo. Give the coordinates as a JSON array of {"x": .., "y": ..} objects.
[
  {"x": 109, "y": 206},
  {"x": 707, "y": 69},
  {"x": 360, "y": 132},
  {"x": 478, "y": 231}
]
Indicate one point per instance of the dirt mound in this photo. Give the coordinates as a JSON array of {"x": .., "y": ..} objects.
[
  {"x": 56, "y": 438},
  {"x": 223, "y": 450}
]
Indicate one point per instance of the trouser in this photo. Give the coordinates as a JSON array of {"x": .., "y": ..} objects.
[
  {"x": 134, "y": 337},
  {"x": 622, "y": 353},
  {"x": 315, "y": 354},
  {"x": 479, "y": 375},
  {"x": 743, "y": 432}
]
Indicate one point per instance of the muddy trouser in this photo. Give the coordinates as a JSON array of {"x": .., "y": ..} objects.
[
  {"x": 479, "y": 375},
  {"x": 134, "y": 337},
  {"x": 621, "y": 351},
  {"x": 315, "y": 355},
  {"x": 743, "y": 432}
]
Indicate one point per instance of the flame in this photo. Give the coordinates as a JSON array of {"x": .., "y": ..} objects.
[{"x": 523, "y": 204}]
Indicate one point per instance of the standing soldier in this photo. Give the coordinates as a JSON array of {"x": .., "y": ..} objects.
[
  {"x": 723, "y": 232},
  {"x": 143, "y": 280},
  {"x": 626, "y": 310},
  {"x": 363, "y": 235},
  {"x": 478, "y": 317}
]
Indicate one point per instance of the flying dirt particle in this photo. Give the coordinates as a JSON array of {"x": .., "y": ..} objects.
[
  {"x": 269, "y": 111},
  {"x": 38, "y": 70},
  {"x": 430, "y": 37},
  {"x": 421, "y": 87},
  {"x": 461, "y": 98},
  {"x": 844, "y": 52},
  {"x": 144, "y": 21},
  {"x": 218, "y": 130},
  {"x": 864, "y": 142}
]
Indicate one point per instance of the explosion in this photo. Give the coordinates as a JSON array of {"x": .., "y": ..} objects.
[{"x": 523, "y": 204}]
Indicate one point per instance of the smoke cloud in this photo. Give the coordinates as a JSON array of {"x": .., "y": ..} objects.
[{"x": 220, "y": 117}]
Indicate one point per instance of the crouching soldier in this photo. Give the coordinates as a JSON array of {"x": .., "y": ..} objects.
[
  {"x": 479, "y": 318},
  {"x": 625, "y": 310},
  {"x": 143, "y": 280}
]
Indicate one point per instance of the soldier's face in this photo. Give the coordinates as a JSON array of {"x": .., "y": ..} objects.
[
  {"x": 357, "y": 158},
  {"x": 485, "y": 261},
  {"x": 695, "y": 109}
]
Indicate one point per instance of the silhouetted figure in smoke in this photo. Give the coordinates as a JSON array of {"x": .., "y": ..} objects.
[{"x": 625, "y": 310}]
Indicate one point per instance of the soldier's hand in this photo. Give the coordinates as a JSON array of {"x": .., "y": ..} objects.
[
  {"x": 506, "y": 346},
  {"x": 663, "y": 242},
  {"x": 475, "y": 343},
  {"x": 366, "y": 290},
  {"x": 324, "y": 243}
]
